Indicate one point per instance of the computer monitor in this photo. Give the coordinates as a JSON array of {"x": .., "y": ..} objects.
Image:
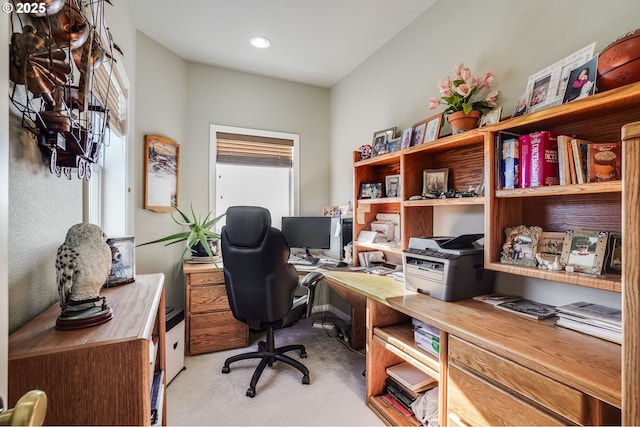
[{"x": 307, "y": 232}]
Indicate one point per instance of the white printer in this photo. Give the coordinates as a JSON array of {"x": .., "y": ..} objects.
[{"x": 447, "y": 268}]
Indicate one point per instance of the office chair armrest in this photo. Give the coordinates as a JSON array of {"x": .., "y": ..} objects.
[{"x": 310, "y": 281}]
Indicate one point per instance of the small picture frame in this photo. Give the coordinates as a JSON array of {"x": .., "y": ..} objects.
[
  {"x": 432, "y": 131},
  {"x": 435, "y": 181},
  {"x": 406, "y": 138},
  {"x": 381, "y": 140},
  {"x": 614, "y": 254},
  {"x": 584, "y": 250},
  {"x": 521, "y": 106},
  {"x": 392, "y": 186},
  {"x": 550, "y": 245},
  {"x": 582, "y": 81},
  {"x": 491, "y": 117},
  {"x": 418, "y": 132},
  {"x": 394, "y": 144},
  {"x": 122, "y": 261},
  {"x": 521, "y": 245},
  {"x": 331, "y": 211},
  {"x": 371, "y": 190}
]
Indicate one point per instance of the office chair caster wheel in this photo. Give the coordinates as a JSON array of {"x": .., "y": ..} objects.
[
  {"x": 226, "y": 369},
  {"x": 303, "y": 354},
  {"x": 251, "y": 391},
  {"x": 306, "y": 380}
]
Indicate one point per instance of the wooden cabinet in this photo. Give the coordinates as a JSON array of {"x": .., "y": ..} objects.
[
  {"x": 210, "y": 325},
  {"x": 100, "y": 375}
]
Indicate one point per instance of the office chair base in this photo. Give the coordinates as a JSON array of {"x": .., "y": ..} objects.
[{"x": 267, "y": 355}]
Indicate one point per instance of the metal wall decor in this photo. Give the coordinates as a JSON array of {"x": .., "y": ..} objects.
[{"x": 55, "y": 48}]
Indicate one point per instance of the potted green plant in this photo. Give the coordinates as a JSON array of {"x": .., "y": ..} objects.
[
  {"x": 197, "y": 236},
  {"x": 466, "y": 97}
]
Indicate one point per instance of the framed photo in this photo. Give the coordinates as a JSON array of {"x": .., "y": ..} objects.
[
  {"x": 381, "y": 138},
  {"x": 123, "y": 265},
  {"x": 614, "y": 254},
  {"x": 392, "y": 185},
  {"x": 491, "y": 117},
  {"x": 370, "y": 190},
  {"x": 418, "y": 132},
  {"x": 584, "y": 250},
  {"x": 521, "y": 245},
  {"x": 547, "y": 87},
  {"x": 331, "y": 211},
  {"x": 394, "y": 144},
  {"x": 406, "y": 138},
  {"x": 434, "y": 123},
  {"x": 435, "y": 181},
  {"x": 582, "y": 81},
  {"x": 550, "y": 245},
  {"x": 161, "y": 171},
  {"x": 521, "y": 106}
]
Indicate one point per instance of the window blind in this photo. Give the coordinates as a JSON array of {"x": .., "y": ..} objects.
[
  {"x": 253, "y": 150},
  {"x": 110, "y": 84}
]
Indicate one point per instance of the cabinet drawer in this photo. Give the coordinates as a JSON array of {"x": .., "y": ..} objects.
[
  {"x": 552, "y": 394},
  {"x": 210, "y": 278},
  {"x": 216, "y": 331},
  {"x": 473, "y": 401},
  {"x": 205, "y": 299}
]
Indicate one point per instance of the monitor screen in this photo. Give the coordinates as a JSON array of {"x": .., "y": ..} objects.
[{"x": 308, "y": 232}]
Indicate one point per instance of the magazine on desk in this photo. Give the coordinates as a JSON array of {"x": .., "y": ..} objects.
[{"x": 528, "y": 308}]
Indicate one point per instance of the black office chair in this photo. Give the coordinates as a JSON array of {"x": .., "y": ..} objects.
[{"x": 261, "y": 286}]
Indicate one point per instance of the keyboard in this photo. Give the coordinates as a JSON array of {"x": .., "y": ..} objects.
[{"x": 296, "y": 260}]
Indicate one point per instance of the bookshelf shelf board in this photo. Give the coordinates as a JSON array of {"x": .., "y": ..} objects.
[
  {"x": 445, "y": 202},
  {"x": 378, "y": 247},
  {"x": 470, "y": 137},
  {"x": 555, "y": 190},
  {"x": 383, "y": 159},
  {"x": 611, "y": 283},
  {"x": 379, "y": 201},
  {"x": 401, "y": 338}
]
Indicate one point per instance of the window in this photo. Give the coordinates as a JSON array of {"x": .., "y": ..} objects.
[
  {"x": 254, "y": 167},
  {"x": 105, "y": 194}
]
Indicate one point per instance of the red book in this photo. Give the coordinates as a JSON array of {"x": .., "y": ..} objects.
[
  {"x": 525, "y": 161},
  {"x": 544, "y": 159},
  {"x": 393, "y": 402}
]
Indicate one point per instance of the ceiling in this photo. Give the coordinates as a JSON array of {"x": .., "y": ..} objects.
[{"x": 316, "y": 42}]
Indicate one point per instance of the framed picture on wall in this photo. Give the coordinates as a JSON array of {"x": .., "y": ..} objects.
[{"x": 161, "y": 167}]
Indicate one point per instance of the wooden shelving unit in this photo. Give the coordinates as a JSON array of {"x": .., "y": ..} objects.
[{"x": 607, "y": 206}]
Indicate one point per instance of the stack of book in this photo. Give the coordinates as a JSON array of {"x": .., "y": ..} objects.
[
  {"x": 592, "y": 319},
  {"x": 581, "y": 161},
  {"x": 404, "y": 385}
]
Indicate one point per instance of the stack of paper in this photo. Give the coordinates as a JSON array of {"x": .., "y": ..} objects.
[{"x": 592, "y": 319}]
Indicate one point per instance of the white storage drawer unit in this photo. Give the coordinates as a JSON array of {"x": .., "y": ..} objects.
[{"x": 174, "y": 342}]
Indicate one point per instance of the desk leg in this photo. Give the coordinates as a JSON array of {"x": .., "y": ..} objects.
[{"x": 358, "y": 305}]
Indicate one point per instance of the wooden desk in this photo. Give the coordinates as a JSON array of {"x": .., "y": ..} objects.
[
  {"x": 355, "y": 287},
  {"x": 494, "y": 367}
]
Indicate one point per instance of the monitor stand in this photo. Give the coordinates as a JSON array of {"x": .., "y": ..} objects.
[{"x": 309, "y": 257}]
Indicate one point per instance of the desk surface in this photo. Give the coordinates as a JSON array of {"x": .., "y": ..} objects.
[{"x": 586, "y": 363}]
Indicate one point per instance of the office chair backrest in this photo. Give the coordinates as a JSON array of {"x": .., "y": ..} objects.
[{"x": 259, "y": 280}]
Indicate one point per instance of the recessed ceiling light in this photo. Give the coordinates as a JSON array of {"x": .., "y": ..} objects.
[{"x": 260, "y": 42}]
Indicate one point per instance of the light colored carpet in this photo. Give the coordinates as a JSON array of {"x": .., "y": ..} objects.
[{"x": 202, "y": 395}]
